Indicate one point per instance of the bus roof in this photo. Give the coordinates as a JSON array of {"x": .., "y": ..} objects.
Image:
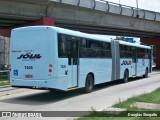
[
  {"x": 81, "y": 34},
  {"x": 134, "y": 44},
  {"x": 97, "y": 37}
]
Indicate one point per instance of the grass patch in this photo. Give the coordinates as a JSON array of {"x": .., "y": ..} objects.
[
  {"x": 153, "y": 97},
  {"x": 2, "y": 83}
]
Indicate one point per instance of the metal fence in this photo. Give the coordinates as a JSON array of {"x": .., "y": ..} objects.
[{"x": 4, "y": 75}]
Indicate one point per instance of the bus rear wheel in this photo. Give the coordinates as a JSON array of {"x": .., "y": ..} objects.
[
  {"x": 89, "y": 83},
  {"x": 146, "y": 73},
  {"x": 125, "y": 77}
]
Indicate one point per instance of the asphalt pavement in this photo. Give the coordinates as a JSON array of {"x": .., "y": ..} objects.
[{"x": 104, "y": 96}]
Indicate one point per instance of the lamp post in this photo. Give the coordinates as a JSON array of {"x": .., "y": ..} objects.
[
  {"x": 137, "y": 8},
  {"x": 137, "y": 4}
]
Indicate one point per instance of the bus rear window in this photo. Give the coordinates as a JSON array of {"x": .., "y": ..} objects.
[{"x": 33, "y": 40}]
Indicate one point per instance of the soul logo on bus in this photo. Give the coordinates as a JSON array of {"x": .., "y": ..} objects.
[
  {"x": 126, "y": 62},
  {"x": 29, "y": 56}
]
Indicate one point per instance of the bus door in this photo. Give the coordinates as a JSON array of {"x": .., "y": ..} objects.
[
  {"x": 73, "y": 63},
  {"x": 134, "y": 61}
]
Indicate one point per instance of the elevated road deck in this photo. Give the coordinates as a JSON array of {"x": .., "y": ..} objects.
[{"x": 84, "y": 15}]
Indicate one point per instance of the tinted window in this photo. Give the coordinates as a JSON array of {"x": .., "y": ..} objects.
[
  {"x": 125, "y": 51},
  {"x": 143, "y": 53},
  {"x": 94, "y": 49},
  {"x": 106, "y": 50},
  {"x": 88, "y": 48},
  {"x": 62, "y": 46}
]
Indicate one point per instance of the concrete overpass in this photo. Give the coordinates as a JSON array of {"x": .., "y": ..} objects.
[{"x": 84, "y": 15}]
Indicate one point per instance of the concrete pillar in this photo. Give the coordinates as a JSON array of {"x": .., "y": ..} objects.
[
  {"x": 4, "y": 51},
  {"x": 43, "y": 21},
  {"x": 7, "y": 40},
  {"x": 154, "y": 41}
]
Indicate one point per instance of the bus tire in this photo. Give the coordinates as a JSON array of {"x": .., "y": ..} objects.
[
  {"x": 89, "y": 83},
  {"x": 126, "y": 76},
  {"x": 146, "y": 73}
]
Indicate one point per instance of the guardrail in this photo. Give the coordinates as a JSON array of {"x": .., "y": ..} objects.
[
  {"x": 133, "y": 9},
  {"x": 4, "y": 75},
  {"x": 110, "y": 7}
]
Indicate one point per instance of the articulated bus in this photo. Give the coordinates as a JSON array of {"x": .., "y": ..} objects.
[{"x": 48, "y": 57}]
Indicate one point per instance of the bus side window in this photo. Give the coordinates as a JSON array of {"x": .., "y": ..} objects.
[
  {"x": 107, "y": 49},
  {"x": 83, "y": 47},
  {"x": 62, "y": 49},
  {"x": 138, "y": 53},
  {"x": 69, "y": 50},
  {"x": 123, "y": 51},
  {"x": 134, "y": 54},
  {"x": 146, "y": 54}
]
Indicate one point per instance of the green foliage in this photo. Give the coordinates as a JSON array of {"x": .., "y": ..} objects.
[
  {"x": 153, "y": 97},
  {"x": 2, "y": 83}
]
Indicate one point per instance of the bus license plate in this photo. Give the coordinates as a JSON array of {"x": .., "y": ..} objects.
[{"x": 28, "y": 76}]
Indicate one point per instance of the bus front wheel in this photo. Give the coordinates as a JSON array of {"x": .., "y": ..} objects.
[
  {"x": 89, "y": 83},
  {"x": 146, "y": 73},
  {"x": 125, "y": 77}
]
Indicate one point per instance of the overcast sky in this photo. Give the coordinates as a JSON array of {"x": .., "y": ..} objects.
[{"x": 153, "y": 5}]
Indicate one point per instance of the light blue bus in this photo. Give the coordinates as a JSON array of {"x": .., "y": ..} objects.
[{"x": 56, "y": 58}]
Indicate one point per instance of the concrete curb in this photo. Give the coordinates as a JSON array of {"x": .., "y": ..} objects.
[
  {"x": 112, "y": 111},
  {"x": 145, "y": 105},
  {"x": 5, "y": 86}
]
